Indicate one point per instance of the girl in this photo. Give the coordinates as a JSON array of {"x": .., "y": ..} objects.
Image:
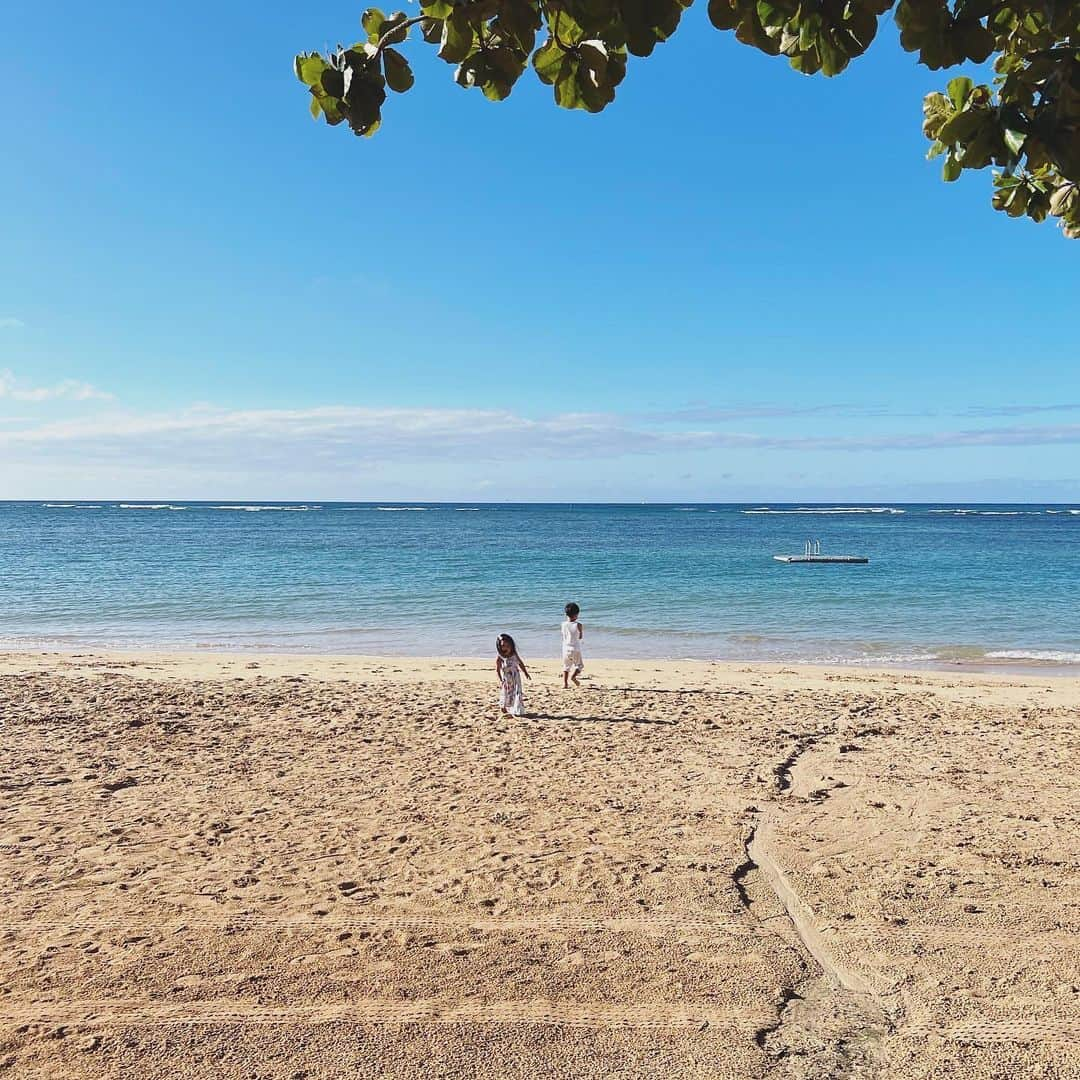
[
  {"x": 572, "y": 634},
  {"x": 509, "y": 667}
]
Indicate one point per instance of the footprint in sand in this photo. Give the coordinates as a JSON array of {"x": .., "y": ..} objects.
[{"x": 319, "y": 957}]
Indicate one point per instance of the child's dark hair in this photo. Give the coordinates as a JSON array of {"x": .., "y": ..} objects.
[
  {"x": 509, "y": 641},
  {"x": 572, "y": 611}
]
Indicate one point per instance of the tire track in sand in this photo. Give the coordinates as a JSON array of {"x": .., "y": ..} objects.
[{"x": 425, "y": 1011}]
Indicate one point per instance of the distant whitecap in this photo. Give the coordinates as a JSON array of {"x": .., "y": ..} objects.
[{"x": 829, "y": 510}]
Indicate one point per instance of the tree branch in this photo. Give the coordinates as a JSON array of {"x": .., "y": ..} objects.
[{"x": 384, "y": 41}]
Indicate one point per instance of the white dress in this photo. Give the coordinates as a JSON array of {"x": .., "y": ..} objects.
[
  {"x": 510, "y": 697},
  {"x": 571, "y": 647}
]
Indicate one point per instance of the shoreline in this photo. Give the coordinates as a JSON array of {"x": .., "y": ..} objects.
[
  {"x": 265, "y": 660},
  {"x": 600, "y": 674}
]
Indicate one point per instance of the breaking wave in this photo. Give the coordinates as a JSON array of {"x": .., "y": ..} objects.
[
  {"x": 829, "y": 510},
  {"x": 989, "y": 513},
  {"x": 149, "y": 506}
]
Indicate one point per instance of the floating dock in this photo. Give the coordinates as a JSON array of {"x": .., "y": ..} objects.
[
  {"x": 822, "y": 558},
  {"x": 812, "y": 554}
]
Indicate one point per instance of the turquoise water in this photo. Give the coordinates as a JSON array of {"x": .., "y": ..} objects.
[{"x": 993, "y": 584}]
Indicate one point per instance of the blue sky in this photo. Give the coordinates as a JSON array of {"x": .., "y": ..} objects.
[{"x": 736, "y": 283}]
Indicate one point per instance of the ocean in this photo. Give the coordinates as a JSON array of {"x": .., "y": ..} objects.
[{"x": 978, "y": 584}]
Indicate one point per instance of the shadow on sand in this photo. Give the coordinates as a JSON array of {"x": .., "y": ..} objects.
[
  {"x": 656, "y": 690},
  {"x": 598, "y": 719}
]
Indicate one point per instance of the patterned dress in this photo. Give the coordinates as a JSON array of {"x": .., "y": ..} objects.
[{"x": 510, "y": 690}]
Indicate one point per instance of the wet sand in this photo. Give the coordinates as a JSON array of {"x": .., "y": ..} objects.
[{"x": 299, "y": 867}]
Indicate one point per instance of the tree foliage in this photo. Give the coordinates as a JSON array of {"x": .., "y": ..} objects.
[{"x": 1026, "y": 125}]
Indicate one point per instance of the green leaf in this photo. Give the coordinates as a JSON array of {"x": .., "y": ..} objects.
[
  {"x": 951, "y": 170},
  {"x": 936, "y": 111},
  {"x": 519, "y": 21},
  {"x": 959, "y": 89},
  {"x": 599, "y": 72},
  {"x": 495, "y": 90},
  {"x": 862, "y": 25},
  {"x": 808, "y": 62},
  {"x": 974, "y": 9},
  {"x": 976, "y": 41},
  {"x": 751, "y": 32},
  {"x": 333, "y": 82},
  {"x": 1064, "y": 200},
  {"x": 723, "y": 14},
  {"x": 770, "y": 14},
  {"x": 372, "y": 21},
  {"x": 1016, "y": 202},
  {"x": 330, "y": 108},
  {"x": 309, "y": 68},
  {"x": 504, "y": 67},
  {"x": 1038, "y": 207},
  {"x": 665, "y": 16},
  {"x": 495, "y": 69},
  {"x": 961, "y": 126},
  {"x": 437, "y": 9},
  {"x": 399, "y": 76},
  {"x": 394, "y": 31},
  {"x": 457, "y": 39},
  {"x": 549, "y": 61},
  {"x": 594, "y": 59},
  {"x": 640, "y": 36},
  {"x": 1015, "y": 140},
  {"x": 833, "y": 60},
  {"x": 568, "y": 91},
  {"x": 315, "y": 107}
]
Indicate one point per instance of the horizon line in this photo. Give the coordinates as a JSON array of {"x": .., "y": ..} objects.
[{"x": 162, "y": 500}]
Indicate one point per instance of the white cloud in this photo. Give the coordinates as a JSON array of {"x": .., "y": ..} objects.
[
  {"x": 703, "y": 413},
  {"x": 8, "y": 322},
  {"x": 16, "y": 389},
  {"x": 342, "y": 438},
  {"x": 1021, "y": 410}
]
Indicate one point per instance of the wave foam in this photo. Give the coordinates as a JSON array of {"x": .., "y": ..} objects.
[
  {"x": 392, "y": 509},
  {"x": 876, "y": 659},
  {"x": 990, "y": 513},
  {"x": 1058, "y": 656},
  {"x": 257, "y": 509},
  {"x": 149, "y": 506},
  {"x": 829, "y": 510}
]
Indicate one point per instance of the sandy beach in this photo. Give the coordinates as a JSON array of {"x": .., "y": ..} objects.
[{"x": 310, "y": 867}]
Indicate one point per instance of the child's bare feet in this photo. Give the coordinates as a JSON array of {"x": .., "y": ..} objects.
[{"x": 577, "y": 681}]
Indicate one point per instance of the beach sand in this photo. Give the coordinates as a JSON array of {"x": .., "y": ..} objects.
[{"x": 312, "y": 867}]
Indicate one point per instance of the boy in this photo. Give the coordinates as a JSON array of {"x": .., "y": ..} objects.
[{"x": 572, "y": 633}]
